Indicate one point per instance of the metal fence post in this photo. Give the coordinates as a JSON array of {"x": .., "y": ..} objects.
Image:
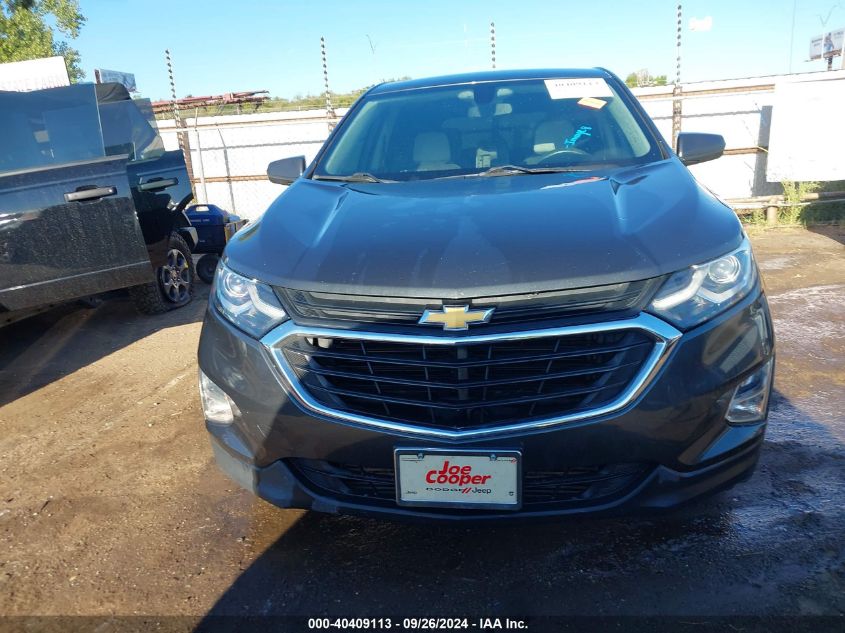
[
  {"x": 677, "y": 108},
  {"x": 493, "y": 43},
  {"x": 772, "y": 214},
  {"x": 330, "y": 115},
  {"x": 181, "y": 126}
]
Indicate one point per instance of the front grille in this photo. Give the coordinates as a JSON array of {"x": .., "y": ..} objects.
[
  {"x": 520, "y": 308},
  {"x": 468, "y": 385},
  {"x": 573, "y": 484}
]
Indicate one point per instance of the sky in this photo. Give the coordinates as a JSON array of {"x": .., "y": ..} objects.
[{"x": 239, "y": 45}]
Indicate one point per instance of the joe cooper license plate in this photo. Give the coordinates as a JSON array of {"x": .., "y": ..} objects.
[{"x": 458, "y": 479}]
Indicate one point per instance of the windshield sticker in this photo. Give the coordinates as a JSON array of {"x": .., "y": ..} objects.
[
  {"x": 484, "y": 158},
  {"x": 584, "y": 130},
  {"x": 595, "y": 104},
  {"x": 578, "y": 88}
]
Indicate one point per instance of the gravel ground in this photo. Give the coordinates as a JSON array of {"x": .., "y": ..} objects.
[{"x": 110, "y": 503}]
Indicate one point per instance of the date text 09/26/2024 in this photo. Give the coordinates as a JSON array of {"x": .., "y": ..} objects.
[{"x": 417, "y": 624}]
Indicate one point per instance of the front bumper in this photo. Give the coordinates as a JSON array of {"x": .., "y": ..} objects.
[{"x": 675, "y": 428}]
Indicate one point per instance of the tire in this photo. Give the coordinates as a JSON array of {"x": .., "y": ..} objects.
[
  {"x": 174, "y": 283},
  {"x": 206, "y": 266}
]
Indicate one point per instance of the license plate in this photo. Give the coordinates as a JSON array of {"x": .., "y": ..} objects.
[{"x": 458, "y": 479}]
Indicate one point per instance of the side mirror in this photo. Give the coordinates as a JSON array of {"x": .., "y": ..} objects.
[
  {"x": 286, "y": 170},
  {"x": 698, "y": 148}
]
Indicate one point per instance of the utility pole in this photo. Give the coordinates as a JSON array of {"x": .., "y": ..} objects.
[
  {"x": 493, "y": 44},
  {"x": 181, "y": 126},
  {"x": 792, "y": 33},
  {"x": 677, "y": 110}
]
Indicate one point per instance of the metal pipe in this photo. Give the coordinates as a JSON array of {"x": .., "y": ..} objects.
[
  {"x": 229, "y": 178},
  {"x": 199, "y": 156},
  {"x": 263, "y": 122}
]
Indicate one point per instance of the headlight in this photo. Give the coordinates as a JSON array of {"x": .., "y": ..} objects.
[
  {"x": 250, "y": 305},
  {"x": 690, "y": 297}
]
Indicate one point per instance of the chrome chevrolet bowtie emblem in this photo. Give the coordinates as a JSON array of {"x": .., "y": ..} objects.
[{"x": 456, "y": 317}]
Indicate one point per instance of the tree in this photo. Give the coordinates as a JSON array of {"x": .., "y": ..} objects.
[
  {"x": 643, "y": 78},
  {"x": 30, "y": 29}
]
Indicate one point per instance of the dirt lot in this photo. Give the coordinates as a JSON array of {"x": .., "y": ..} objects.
[{"x": 110, "y": 502}]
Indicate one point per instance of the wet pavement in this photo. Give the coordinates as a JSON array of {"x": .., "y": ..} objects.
[{"x": 110, "y": 502}]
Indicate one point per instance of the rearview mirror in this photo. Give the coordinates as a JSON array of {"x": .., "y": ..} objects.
[
  {"x": 286, "y": 170},
  {"x": 695, "y": 148}
]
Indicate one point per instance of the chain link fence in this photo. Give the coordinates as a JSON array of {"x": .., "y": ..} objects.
[{"x": 230, "y": 153}]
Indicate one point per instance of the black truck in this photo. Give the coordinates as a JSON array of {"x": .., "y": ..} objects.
[{"x": 90, "y": 201}]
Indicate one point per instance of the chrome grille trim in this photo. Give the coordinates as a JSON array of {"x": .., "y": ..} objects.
[{"x": 665, "y": 337}]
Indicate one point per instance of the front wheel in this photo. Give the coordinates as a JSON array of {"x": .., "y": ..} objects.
[{"x": 174, "y": 283}]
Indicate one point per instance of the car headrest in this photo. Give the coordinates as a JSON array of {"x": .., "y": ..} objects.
[{"x": 431, "y": 147}]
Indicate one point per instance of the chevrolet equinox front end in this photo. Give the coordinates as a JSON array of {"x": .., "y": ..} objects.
[{"x": 489, "y": 296}]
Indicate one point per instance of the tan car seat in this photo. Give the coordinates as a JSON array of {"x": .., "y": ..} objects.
[
  {"x": 549, "y": 137},
  {"x": 432, "y": 152}
]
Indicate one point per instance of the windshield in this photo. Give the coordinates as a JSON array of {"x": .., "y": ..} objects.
[
  {"x": 519, "y": 126},
  {"x": 128, "y": 128}
]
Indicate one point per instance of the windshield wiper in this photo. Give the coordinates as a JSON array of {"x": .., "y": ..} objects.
[
  {"x": 515, "y": 170},
  {"x": 511, "y": 170},
  {"x": 358, "y": 176}
]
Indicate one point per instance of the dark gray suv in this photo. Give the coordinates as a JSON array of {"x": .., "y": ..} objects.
[{"x": 490, "y": 296}]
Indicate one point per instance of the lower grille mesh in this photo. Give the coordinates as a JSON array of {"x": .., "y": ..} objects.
[{"x": 577, "y": 483}]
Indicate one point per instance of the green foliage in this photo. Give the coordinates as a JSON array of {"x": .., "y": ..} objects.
[
  {"x": 642, "y": 78},
  {"x": 31, "y": 29},
  {"x": 796, "y": 210},
  {"x": 755, "y": 217},
  {"x": 823, "y": 213},
  {"x": 794, "y": 192},
  {"x": 804, "y": 215}
]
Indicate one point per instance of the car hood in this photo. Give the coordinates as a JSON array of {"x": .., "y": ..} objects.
[{"x": 459, "y": 238}]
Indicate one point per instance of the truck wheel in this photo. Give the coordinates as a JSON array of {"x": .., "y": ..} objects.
[
  {"x": 174, "y": 283},
  {"x": 206, "y": 266}
]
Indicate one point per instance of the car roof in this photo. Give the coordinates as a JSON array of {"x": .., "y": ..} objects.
[{"x": 489, "y": 75}]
